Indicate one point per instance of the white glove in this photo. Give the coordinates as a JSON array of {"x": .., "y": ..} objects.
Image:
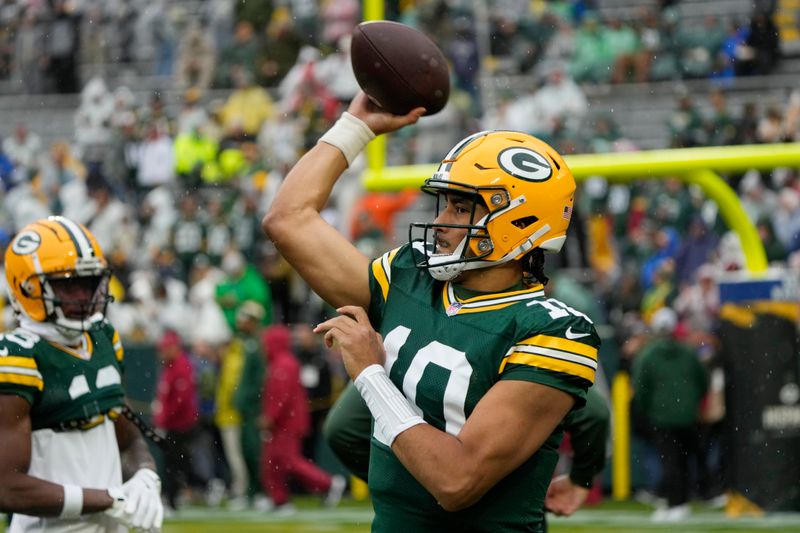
[{"x": 137, "y": 503}]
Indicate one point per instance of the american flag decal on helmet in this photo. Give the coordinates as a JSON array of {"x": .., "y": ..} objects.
[{"x": 567, "y": 212}]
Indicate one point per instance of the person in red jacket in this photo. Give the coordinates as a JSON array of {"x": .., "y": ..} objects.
[
  {"x": 176, "y": 412},
  {"x": 286, "y": 420}
]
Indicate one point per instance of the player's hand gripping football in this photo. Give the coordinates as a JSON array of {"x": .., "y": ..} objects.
[
  {"x": 351, "y": 334},
  {"x": 137, "y": 503},
  {"x": 379, "y": 120}
]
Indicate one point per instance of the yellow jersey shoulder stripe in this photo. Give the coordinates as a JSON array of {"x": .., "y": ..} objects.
[
  {"x": 550, "y": 363},
  {"x": 382, "y": 270},
  {"x": 18, "y": 361},
  {"x": 21, "y": 379}
]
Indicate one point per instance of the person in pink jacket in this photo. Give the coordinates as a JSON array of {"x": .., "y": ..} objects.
[
  {"x": 285, "y": 421},
  {"x": 176, "y": 412}
]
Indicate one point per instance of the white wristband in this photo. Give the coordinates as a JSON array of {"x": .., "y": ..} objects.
[
  {"x": 392, "y": 412},
  {"x": 350, "y": 135},
  {"x": 73, "y": 502}
]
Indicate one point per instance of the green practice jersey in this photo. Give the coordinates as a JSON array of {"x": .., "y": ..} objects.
[
  {"x": 64, "y": 389},
  {"x": 444, "y": 352}
]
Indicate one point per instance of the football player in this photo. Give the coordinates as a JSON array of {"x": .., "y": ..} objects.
[
  {"x": 465, "y": 365},
  {"x": 61, "y": 393}
]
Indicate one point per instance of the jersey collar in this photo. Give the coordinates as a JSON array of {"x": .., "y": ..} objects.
[{"x": 453, "y": 304}]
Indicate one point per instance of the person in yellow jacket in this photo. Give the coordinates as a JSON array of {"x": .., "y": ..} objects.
[
  {"x": 229, "y": 420},
  {"x": 248, "y": 106}
]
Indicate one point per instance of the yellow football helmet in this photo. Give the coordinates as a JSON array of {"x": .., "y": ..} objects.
[
  {"x": 526, "y": 187},
  {"x": 57, "y": 273}
]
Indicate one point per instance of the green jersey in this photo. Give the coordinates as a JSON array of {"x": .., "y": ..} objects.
[
  {"x": 444, "y": 351},
  {"x": 74, "y": 395}
]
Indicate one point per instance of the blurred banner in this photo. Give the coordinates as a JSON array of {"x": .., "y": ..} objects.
[{"x": 761, "y": 357}]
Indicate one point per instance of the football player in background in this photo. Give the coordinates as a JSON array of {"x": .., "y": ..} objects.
[
  {"x": 61, "y": 394},
  {"x": 465, "y": 366}
]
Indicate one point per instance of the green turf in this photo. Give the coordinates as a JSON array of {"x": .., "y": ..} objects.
[{"x": 355, "y": 517}]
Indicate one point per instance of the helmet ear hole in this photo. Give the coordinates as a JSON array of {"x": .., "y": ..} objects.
[{"x": 524, "y": 222}]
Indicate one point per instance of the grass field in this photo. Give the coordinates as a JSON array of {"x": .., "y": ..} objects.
[{"x": 355, "y": 517}]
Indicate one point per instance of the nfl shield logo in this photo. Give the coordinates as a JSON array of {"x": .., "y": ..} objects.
[{"x": 454, "y": 308}]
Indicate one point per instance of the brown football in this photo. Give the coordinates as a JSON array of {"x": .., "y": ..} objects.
[{"x": 399, "y": 67}]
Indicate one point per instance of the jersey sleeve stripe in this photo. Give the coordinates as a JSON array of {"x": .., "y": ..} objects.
[
  {"x": 22, "y": 362},
  {"x": 20, "y": 379},
  {"x": 21, "y": 371},
  {"x": 550, "y": 363},
  {"x": 118, "y": 351},
  {"x": 380, "y": 276},
  {"x": 382, "y": 270},
  {"x": 546, "y": 341}
]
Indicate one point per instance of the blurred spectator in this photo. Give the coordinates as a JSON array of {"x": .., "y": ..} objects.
[
  {"x": 242, "y": 282},
  {"x": 695, "y": 249},
  {"x": 175, "y": 410},
  {"x": 110, "y": 220},
  {"x": 698, "y": 303},
  {"x": 590, "y": 61},
  {"x": 30, "y": 60},
  {"x": 747, "y": 125},
  {"x": 669, "y": 382},
  {"x": 280, "y": 48},
  {"x": 24, "y": 150},
  {"x": 219, "y": 233},
  {"x": 720, "y": 125},
  {"x": 733, "y": 50},
  {"x": 256, "y": 12},
  {"x": 192, "y": 114},
  {"x": 335, "y": 72},
  {"x": 285, "y": 421},
  {"x": 770, "y": 126},
  {"x": 699, "y": 46},
  {"x": 228, "y": 419},
  {"x": 93, "y": 120},
  {"x": 248, "y": 106},
  {"x": 786, "y": 219},
  {"x": 196, "y": 57},
  {"x": 63, "y": 40},
  {"x": 317, "y": 379},
  {"x": 464, "y": 55},
  {"x": 339, "y": 18},
  {"x": 209, "y": 325},
  {"x": 245, "y": 221},
  {"x": 94, "y": 45},
  {"x": 757, "y": 201},
  {"x": 247, "y": 398},
  {"x": 239, "y": 58},
  {"x": 686, "y": 123},
  {"x": 773, "y": 248},
  {"x": 156, "y": 158},
  {"x": 624, "y": 46},
  {"x": 61, "y": 180},
  {"x": 760, "y": 51},
  {"x": 187, "y": 236},
  {"x": 195, "y": 157}
]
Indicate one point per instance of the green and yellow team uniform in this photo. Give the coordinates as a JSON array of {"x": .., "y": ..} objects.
[
  {"x": 444, "y": 351},
  {"x": 74, "y": 400}
]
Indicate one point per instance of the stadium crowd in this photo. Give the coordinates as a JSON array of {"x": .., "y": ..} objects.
[{"x": 175, "y": 191}]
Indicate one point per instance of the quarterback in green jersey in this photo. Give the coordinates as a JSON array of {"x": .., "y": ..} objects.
[
  {"x": 61, "y": 394},
  {"x": 467, "y": 368}
]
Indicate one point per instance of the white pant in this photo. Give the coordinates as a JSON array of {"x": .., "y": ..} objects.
[{"x": 232, "y": 445}]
